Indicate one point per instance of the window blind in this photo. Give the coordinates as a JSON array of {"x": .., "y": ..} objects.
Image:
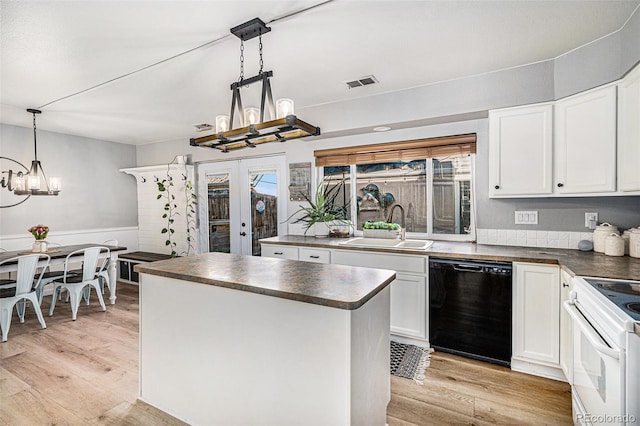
[{"x": 397, "y": 151}]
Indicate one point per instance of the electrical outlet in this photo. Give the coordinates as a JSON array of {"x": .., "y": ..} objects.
[
  {"x": 526, "y": 217},
  {"x": 591, "y": 220}
]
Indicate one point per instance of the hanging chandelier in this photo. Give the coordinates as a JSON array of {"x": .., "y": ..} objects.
[
  {"x": 35, "y": 183},
  {"x": 282, "y": 126}
]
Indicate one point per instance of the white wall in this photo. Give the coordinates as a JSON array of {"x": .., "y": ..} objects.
[{"x": 96, "y": 198}]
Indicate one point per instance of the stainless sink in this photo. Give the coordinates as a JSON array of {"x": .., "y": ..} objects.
[{"x": 388, "y": 243}]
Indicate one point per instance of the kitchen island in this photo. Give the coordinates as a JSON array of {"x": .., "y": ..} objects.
[{"x": 228, "y": 339}]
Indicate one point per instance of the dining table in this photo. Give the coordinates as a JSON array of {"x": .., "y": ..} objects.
[{"x": 59, "y": 255}]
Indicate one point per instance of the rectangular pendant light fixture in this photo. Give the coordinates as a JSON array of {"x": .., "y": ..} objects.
[{"x": 253, "y": 130}]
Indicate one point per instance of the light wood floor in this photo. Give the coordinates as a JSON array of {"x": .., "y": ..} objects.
[{"x": 86, "y": 372}]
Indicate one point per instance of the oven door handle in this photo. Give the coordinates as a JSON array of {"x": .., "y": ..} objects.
[{"x": 591, "y": 335}]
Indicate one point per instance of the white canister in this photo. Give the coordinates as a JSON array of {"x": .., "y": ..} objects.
[
  {"x": 600, "y": 233},
  {"x": 634, "y": 242},
  {"x": 614, "y": 245}
]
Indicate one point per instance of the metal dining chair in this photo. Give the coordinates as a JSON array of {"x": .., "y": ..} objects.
[
  {"x": 104, "y": 274},
  {"x": 7, "y": 282},
  {"x": 93, "y": 263},
  {"x": 101, "y": 271},
  {"x": 51, "y": 276},
  {"x": 24, "y": 290}
]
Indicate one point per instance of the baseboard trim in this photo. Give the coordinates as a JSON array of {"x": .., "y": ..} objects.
[{"x": 546, "y": 371}]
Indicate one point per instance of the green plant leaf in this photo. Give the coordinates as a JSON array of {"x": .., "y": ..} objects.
[
  {"x": 166, "y": 243},
  {"x": 164, "y": 231},
  {"x": 164, "y": 216}
]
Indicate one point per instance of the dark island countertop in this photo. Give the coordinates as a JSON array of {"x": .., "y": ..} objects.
[
  {"x": 336, "y": 286},
  {"x": 576, "y": 262}
]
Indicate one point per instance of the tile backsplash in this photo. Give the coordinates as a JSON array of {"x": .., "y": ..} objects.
[{"x": 524, "y": 238}]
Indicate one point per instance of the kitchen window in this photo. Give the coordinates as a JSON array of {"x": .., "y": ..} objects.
[{"x": 435, "y": 191}]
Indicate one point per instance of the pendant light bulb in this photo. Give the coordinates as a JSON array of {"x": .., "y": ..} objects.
[
  {"x": 284, "y": 107},
  {"x": 251, "y": 116}
]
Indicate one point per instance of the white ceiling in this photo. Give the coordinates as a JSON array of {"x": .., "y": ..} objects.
[{"x": 56, "y": 49}]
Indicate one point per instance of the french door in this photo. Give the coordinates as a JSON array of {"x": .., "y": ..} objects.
[{"x": 240, "y": 202}]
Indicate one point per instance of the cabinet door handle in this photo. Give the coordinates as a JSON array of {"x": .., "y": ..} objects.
[
  {"x": 314, "y": 257},
  {"x": 279, "y": 253},
  {"x": 497, "y": 187},
  {"x": 560, "y": 185},
  {"x": 243, "y": 234},
  {"x": 565, "y": 285}
]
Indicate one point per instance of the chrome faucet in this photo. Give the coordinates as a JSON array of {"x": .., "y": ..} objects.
[{"x": 402, "y": 224}]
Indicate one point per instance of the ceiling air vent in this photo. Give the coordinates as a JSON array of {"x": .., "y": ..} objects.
[
  {"x": 363, "y": 81},
  {"x": 204, "y": 127}
]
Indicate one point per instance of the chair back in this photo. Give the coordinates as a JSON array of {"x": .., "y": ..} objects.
[
  {"x": 112, "y": 242},
  {"x": 27, "y": 266},
  {"x": 93, "y": 257}
]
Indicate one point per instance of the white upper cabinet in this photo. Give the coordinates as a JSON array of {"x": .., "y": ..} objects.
[
  {"x": 520, "y": 150},
  {"x": 629, "y": 132},
  {"x": 585, "y": 142}
]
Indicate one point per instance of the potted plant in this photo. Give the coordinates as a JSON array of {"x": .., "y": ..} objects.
[{"x": 322, "y": 210}]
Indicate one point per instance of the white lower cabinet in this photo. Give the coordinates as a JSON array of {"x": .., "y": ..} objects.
[
  {"x": 566, "y": 329},
  {"x": 536, "y": 319},
  {"x": 408, "y": 291},
  {"x": 409, "y": 306}
]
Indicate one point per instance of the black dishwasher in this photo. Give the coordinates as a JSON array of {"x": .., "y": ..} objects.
[{"x": 470, "y": 308}]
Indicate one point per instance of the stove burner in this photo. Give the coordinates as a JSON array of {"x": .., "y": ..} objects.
[
  {"x": 634, "y": 307},
  {"x": 623, "y": 288}
]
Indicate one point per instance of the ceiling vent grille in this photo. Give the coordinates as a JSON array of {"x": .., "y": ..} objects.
[
  {"x": 363, "y": 81},
  {"x": 204, "y": 127}
]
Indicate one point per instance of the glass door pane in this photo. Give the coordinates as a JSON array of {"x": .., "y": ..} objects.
[
  {"x": 219, "y": 207},
  {"x": 264, "y": 207},
  {"x": 218, "y": 212}
]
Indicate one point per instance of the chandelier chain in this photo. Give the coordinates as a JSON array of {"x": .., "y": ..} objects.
[
  {"x": 241, "y": 60},
  {"x": 35, "y": 145},
  {"x": 260, "y": 50}
]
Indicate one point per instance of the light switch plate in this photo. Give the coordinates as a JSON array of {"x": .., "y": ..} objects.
[
  {"x": 526, "y": 217},
  {"x": 591, "y": 220}
]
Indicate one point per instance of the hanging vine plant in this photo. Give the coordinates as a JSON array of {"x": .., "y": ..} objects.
[
  {"x": 170, "y": 210},
  {"x": 170, "y": 206},
  {"x": 190, "y": 212}
]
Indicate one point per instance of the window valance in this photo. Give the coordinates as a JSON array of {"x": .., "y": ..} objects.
[{"x": 397, "y": 151}]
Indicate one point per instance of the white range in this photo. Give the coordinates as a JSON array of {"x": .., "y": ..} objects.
[{"x": 606, "y": 351}]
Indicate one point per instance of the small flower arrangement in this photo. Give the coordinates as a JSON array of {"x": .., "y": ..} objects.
[{"x": 39, "y": 232}]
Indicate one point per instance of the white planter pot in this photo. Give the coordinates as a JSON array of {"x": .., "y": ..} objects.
[
  {"x": 321, "y": 229},
  {"x": 381, "y": 233}
]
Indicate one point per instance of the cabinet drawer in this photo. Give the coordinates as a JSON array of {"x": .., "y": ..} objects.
[
  {"x": 395, "y": 262},
  {"x": 315, "y": 255},
  {"x": 281, "y": 252}
]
